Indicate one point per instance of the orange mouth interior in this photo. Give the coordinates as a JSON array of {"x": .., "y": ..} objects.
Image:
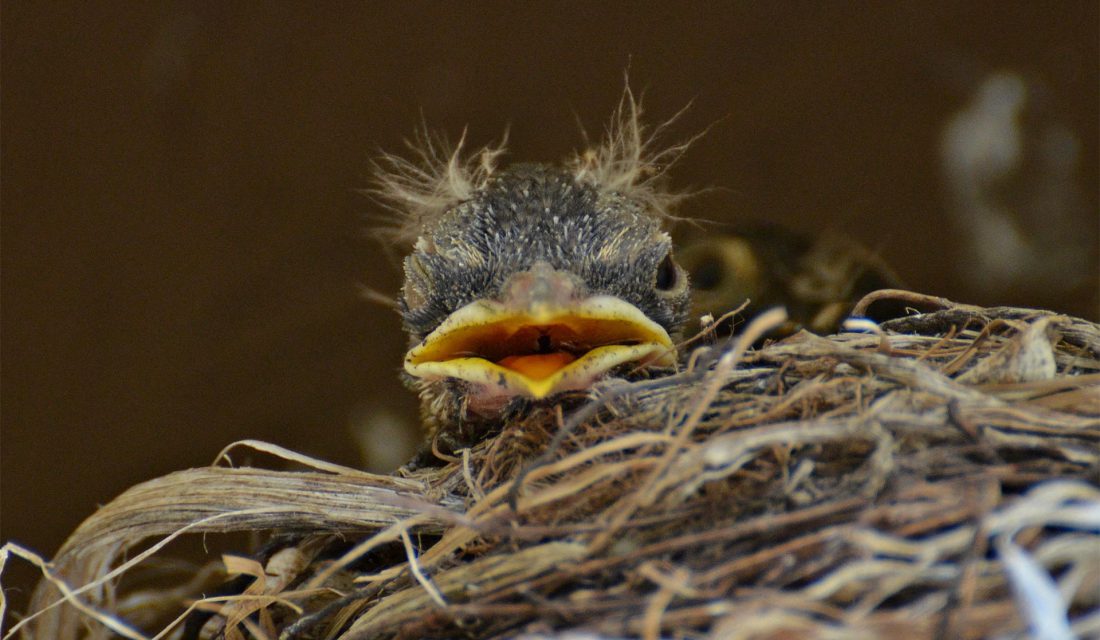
[
  {"x": 540, "y": 351},
  {"x": 538, "y": 366},
  {"x": 535, "y": 350}
]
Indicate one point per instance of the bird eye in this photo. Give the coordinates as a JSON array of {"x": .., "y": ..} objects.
[
  {"x": 413, "y": 298},
  {"x": 416, "y": 274},
  {"x": 668, "y": 275},
  {"x": 708, "y": 272}
]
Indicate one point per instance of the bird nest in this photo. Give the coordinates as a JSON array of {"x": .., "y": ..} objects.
[{"x": 934, "y": 475}]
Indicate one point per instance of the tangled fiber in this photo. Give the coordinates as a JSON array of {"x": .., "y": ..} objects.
[{"x": 932, "y": 476}]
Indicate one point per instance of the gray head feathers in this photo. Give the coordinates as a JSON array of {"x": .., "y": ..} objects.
[{"x": 438, "y": 176}]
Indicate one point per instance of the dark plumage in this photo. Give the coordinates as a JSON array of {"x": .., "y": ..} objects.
[{"x": 531, "y": 213}]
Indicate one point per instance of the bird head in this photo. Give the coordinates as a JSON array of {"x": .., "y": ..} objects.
[{"x": 533, "y": 280}]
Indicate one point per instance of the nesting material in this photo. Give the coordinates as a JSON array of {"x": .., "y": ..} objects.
[{"x": 931, "y": 476}]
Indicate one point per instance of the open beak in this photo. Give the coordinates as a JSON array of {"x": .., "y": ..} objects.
[{"x": 542, "y": 349}]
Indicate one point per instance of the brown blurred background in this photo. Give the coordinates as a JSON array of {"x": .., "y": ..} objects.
[{"x": 183, "y": 243}]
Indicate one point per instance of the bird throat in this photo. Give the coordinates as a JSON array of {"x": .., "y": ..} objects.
[
  {"x": 538, "y": 366},
  {"x": 539, "y": 351}
]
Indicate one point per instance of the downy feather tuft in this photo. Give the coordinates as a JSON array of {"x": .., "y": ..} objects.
[{"x": 628, "y": 162}]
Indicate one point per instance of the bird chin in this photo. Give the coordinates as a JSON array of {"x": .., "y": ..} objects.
[{"x": 535, "y": 353}]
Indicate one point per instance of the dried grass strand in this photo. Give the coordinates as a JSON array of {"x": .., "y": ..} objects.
[{"x": 853, "y": 486}]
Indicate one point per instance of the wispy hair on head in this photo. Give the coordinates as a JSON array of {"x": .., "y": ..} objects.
[
  {"x": 628, "y": 162},
  {"x": 439, "y": 175}
]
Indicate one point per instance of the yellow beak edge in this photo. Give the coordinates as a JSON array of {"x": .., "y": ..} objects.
[{"x": 485, "y": 343}]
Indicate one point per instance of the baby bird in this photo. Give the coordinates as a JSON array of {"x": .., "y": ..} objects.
[
  {"x": 817, "y": 278},
  {"x": 534, "y": 280}
]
